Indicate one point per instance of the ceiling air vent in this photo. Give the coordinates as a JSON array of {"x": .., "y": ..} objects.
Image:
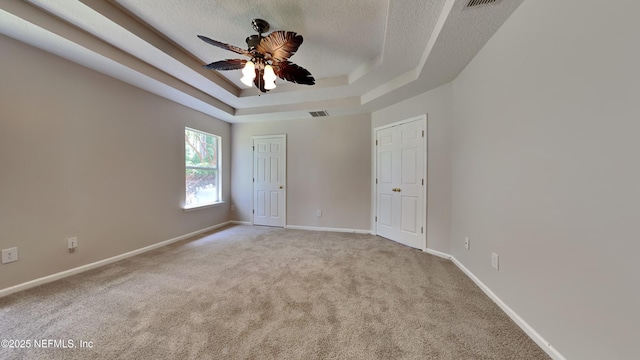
[
  {"x": 474, "y": 3},
  {"x": 319, "y": 113}
]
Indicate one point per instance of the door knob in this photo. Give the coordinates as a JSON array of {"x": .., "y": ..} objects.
[
  {"x": 398, "y": 190},
  {"x": 394, "y": 189},
  {"x": 280, "y": 187}
]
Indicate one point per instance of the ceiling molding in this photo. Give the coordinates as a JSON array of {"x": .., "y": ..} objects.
[
  {"x": 116, "y": 13},
  {"x": 423, "y": 45}
]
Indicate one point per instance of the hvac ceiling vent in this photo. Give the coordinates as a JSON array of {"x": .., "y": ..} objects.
[
  {"x": 474, "y": 3},
  {"x": 319, "y": 113}
]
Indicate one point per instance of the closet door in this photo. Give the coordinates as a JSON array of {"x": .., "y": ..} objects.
[{"x": 400, "y": 189}]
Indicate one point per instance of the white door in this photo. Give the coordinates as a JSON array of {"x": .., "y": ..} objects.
[
  {"x": 269, "y": 169},
  {"x": 400, "y": 188}
]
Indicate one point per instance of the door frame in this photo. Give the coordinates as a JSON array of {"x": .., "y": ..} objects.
[
  {"x": 374, "y": 169},
  {"x": 284, "y": 179}
]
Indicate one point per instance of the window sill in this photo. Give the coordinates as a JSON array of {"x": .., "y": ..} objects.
[{"x": 203, "y": 206}]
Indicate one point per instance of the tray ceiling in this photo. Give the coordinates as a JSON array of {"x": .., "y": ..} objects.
[{"x": 364, "y": 54}]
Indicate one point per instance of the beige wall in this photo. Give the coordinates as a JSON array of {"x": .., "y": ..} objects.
[
  {"x": 546, "y": 174},
  {"x": 328, "y": 169},
  {"x": 82, "y": 154},
  {"x": 532, "y": 153},
  {"x": 437, "y": 105}
]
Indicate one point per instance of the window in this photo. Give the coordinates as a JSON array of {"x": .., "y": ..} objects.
[{"x": 202, "y": 168}]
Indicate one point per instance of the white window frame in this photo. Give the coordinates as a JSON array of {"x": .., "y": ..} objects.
[{"x": 218, "y": 167}]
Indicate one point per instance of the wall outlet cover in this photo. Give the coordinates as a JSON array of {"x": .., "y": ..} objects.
[{"x": 9, "y": 255}]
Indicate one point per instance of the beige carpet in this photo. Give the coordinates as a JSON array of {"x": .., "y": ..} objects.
[{"x": 262, "y": 293}]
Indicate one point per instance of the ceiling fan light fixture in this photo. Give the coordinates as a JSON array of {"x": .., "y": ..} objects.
[
  {"x": 269, "y": 58},
  {"x": 269, "y": 78},
  {"x": 249, "y": 72}
]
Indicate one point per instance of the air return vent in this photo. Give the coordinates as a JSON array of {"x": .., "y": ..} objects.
[
  {"x": 319, "y": 113},
  {"x": 474, "y": 3}
]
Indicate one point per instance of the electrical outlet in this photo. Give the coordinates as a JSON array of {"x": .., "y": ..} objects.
[
  {"x": 319, "y": 213},
  {"x": 72, "y": 243},
  {"x": 495, "y": 261},
  {"x": 467, "y": 243},
  {"x": 9, "y": 255}
]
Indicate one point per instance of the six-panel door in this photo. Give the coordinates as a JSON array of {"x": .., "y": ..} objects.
[{"x": 269, "y": 180}]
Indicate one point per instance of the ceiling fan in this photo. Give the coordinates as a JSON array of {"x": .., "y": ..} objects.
[{"x": 269, "y": 58}]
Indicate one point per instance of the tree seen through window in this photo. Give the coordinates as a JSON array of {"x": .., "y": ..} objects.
[{"x": 201, "y": 168}]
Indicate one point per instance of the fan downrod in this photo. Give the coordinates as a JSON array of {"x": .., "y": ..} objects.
[{"x": 261, "y": 26}]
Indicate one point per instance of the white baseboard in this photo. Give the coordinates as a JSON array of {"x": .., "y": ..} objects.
[
  {"x": 537, "y": 338},
  {"x": 80, "y": 269},
  {"x": 311, "y": 228},
  {"x": 438, "y": 254},
  {"x": 235, "y": 222},
  {"x": 534, "y": 335}
]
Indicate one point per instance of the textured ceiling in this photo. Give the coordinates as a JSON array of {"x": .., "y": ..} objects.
[
  {"x": 338, "y": 35},
  {"x": 364, "y": 54}
]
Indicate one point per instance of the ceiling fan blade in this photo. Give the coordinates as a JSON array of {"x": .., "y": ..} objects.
[
  {"x": 229, "y": 64},
  {"x": 291, "y": 72},
  {"x": 279, "y": 45},
  {"x": 222, "y": 45}
]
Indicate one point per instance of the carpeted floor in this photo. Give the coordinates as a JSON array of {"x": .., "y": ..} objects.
[{"x": 264, "y": 293}]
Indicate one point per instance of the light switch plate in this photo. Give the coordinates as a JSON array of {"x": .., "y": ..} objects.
[
  {"x": 495, "y": 261},
  {"x": 72, "y": 242}
]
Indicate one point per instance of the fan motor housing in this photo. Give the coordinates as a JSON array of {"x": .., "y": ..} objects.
[{"x": 253, "y": 41}]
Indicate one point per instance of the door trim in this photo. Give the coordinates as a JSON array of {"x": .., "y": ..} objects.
[
  {"x": 374, "y": 172},
  {"x": 284, "y": 180}
]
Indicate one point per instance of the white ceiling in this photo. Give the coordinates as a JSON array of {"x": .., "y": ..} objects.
[{"x": 364, "y": 54}]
